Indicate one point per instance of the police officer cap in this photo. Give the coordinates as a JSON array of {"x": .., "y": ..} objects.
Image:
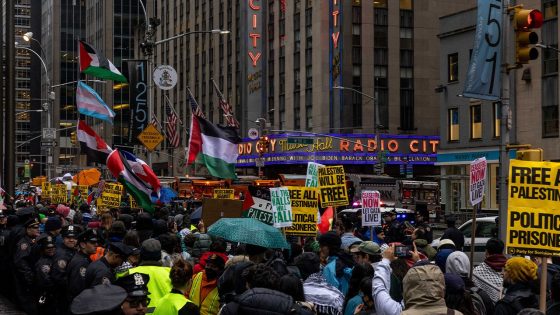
[
  {"x": 45, "y": 241},
  {"x": 33, "y": 222},
  {"x": 21, "y": 212},
  {"x": 392, "y": 212},
  {"x": 136, "y": 284},
  {"x": 100, "y": 298},
  {"x": 120, "y": 248},
  {"x": 89, "y": 235},
  {"x": 70, "y": 231}
]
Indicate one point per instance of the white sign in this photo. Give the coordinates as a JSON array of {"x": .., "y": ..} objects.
[
  {"x": 371, "y": 213},
  {"x": 281, "y": 206},
  {"x": 49, "y": 133},
  {"x": 253, "y": 133},
  {"x": 478, "y": 180},
  {"x": 311, "y": 179},
  {"x": 165, "y": 77}
]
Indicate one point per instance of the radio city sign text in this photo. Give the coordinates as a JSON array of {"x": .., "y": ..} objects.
[{"x": 254, "y": 35}]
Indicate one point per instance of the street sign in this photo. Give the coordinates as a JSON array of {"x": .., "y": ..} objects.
[
  {"x": 253, "y": 133},
  {"x": 49, "y": 133},
  {"x": 150, "y": 137},
  {"x": 259, "y": 162},
  {"x": 300, "y": 140},
  {"x": 48, "y": 143},
  {"x": 165, "y": 77}
]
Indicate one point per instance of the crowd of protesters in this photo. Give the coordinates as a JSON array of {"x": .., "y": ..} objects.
[{"x": 66, "y": 259}]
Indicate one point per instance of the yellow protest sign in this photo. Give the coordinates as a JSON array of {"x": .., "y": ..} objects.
[
  {"x": 150, "y": 137},
  {"x": 133, "y": 203},
  {"x": 220, "y": 193},
  {"x": 45, "y": 190},
  {"x": 533, "y": 222},
  {"x": 83, "y": 190},
  {"x": 305, "y": 203},
  {"x": 111, "y": 196},
  {"x": 59, "y": 194},
  {"x": 332, "y": 186}
]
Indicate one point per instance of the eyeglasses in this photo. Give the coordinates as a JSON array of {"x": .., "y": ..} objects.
[{"x": 135, "y": 302}]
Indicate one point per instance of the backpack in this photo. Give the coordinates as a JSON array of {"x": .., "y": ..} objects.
[{"x": 478, "y": 301}]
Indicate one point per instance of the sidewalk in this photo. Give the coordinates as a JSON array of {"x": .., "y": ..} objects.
[{"x": 7, "y": 308}]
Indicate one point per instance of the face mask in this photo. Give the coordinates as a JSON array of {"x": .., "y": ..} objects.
[{"x": 211, "y": 274}]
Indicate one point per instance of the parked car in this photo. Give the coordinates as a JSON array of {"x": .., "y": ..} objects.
[{"x": 485, "y": 229}]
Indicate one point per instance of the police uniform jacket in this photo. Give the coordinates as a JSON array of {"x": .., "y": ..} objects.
[
  {"x": 99, "y": 272},
  {"x": 76, "y": 271},
  {"x": 43, "y": 270},
  {"x": 63, "y": 256},
  {"x": 23, "y": 268}
]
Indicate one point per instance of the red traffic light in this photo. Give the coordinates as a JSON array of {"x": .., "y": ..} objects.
[{"x": 527, "y": 19}]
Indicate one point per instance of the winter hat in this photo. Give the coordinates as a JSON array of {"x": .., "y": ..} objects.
[
  {"x": 520, "y": 269},
  {"x": 445, "y": 242},
  {"x": 63, "y": 210},
  {"x": 330, "y": 239},
  {"x": 52, "y": 224},
  {"x": 454, "y": 284},
  {"x": 458, "y": 263},
  {"x": 151, "y": 250}
]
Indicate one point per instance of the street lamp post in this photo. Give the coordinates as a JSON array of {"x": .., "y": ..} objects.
[{"x": 375, "y": 122}]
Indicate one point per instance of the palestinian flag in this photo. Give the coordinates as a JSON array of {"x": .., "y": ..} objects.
[
  {"x": 95, "y": 64},
  {"x": 91, "y": 144},
  {"x": 122, "y": 171},
  {"x": 213, "y": 146}
]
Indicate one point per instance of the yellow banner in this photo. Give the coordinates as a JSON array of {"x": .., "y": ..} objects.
[
  {"x": 111, "y": 196},
  {"x": 220, "y": 193},
  {"x": 133, "y": 203},
  {"x": 83, "y": 190},
  {"x": 45, "y": 190},
  {"x": 533, "y": 223},
  {"x": 305, "y": 203},
  {"x": 332, "y": 186},
  {"x": 59, "y": 194}
]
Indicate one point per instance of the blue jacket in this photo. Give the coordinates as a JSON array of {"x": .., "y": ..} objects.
[{"x": 329, "y": 272}]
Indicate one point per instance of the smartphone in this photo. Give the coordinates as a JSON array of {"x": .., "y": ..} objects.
[{"x": 402, "y": 251}]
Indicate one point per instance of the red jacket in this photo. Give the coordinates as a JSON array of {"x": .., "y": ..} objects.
[{"x": 202, "y": 262}]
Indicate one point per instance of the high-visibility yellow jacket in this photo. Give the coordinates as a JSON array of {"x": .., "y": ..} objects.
[
  {"x": 211, "y": 304},
  {"x": 159, "y": 284},
  {"x": 170, "y": 304}
]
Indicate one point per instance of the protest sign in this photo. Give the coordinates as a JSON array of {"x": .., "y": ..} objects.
[
  {"x": 220, "y": 193},
  {"x": 45, "y": 190},
  {"x": 215, "y": 209},
  {"x": 478, "y": 180},
  {"x": 311, "y": 179},
  {"x": 305, "y": 203},
  {"x": 59, "y": 194},
  {"x": 332, "y": 186},
  {"x": 371, "y": 213},
  {"x": 533, "y": 222},
  {"x": 261, "y": 209},
  {"x": 281, "y": 206},
  {"x": 111, "y": 196},
  {"x": 133, "y": 203}
]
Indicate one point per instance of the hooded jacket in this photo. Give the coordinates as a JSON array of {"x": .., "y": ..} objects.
[
  {"x": 262, "y": 301},
  {"x": 424, "y": 291},
  {"x": 423, "y": 246}
]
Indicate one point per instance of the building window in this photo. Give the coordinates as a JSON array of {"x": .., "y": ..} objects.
[
  {"x": 550, "y": 106},
  {"x": 453, "y": 67},
  {"x": 476, "y": 122},
  {"x": 453, "y": 124},
  {"x": 497, "y": 113}
]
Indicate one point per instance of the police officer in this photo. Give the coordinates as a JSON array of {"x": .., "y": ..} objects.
[
  {"x": 394, "y": 231},
  {"x": 136, "y": 286},
  {"x": 23, "y": 269},
  {"x": 64, "y": 254},
  {"x": 76, "y": 269},
  {"x": 421, "y": 217},
  {"x": 43, "y": 280},
  {"x": 102, "y": 270}
]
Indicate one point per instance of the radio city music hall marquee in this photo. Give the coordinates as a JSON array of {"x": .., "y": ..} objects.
[{"x": 343, "y": 149}]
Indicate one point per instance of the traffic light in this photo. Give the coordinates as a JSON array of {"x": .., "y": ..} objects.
[
  {"x": 262, "y": 145},
  {"x": 524, "y": 21},
  {"x": 530, "y": 154}
]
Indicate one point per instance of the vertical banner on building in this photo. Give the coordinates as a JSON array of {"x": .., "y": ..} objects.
[
  {"x": 305, "y": 203},
  {"x": 136, "y": 72},
  {"x": 484, "y": 74},
  {"x": 533, "y": 222},
  {"x": 311, "y": 179},
  {"x": 332, "y": 186},
  {"x": 281, "y": 206},
  {"x": 335, "y": 61},
  {"x": 371, "y": 211},
  {"x": 477, "y": 180}
]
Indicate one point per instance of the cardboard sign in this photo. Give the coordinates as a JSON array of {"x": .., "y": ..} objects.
[
  {"x": 59, "y": 194},
  {"x": 261, "y": 208},
  {"x": 311, "y": 179},
  {"x": 332, "y": 186},
  {"x": 478, "y": 180},
  {"x": 220, "y": 193},
  {"x": 371, "y": 212},
  {"x": 111, "y": 196},
  {"x": 45, "y": 190},
  {"x": 533, "y": 222},
  {"x": 215, "y": 209},
  {"x": 281, "y": 206},
  {"x": 305, "y": 203}
]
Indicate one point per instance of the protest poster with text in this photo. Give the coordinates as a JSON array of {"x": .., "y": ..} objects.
[
  {"x": 111, "y": 196},
  {"x": 332, "y": 186},
  {"x": 261, "y": 209},
  {"x": 281, "y": 206},
  {"x": 305, "y": 202},
  {"x": 45, "y": 190},
  {"x": 59, "y": 194},
  {"x": 311, "y": 179},
  {"x": 477, "y": 180},
  {"x": 221, "y": 193},
  {"x": 533, "y": 222},
  {"x": 371, "y": 211}
]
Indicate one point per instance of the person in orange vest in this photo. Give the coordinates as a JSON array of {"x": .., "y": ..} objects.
[{"x": 204, "y": 289}]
